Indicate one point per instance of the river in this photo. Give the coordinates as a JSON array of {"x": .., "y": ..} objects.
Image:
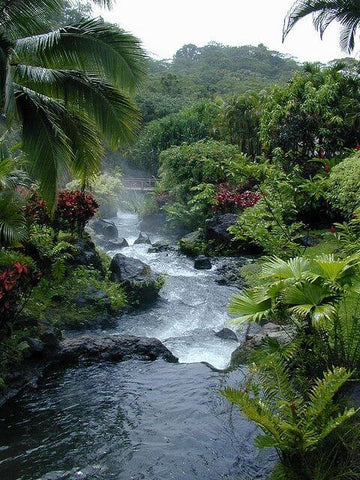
[{"x": 142, "y": 420}]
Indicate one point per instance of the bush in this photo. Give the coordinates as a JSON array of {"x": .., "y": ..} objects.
[
  {"x": 271, "y": 223},
  {"x": 343, "y": 186},
  {"x": 55, "y": 299},
  {"x": 18, "y": 276},
  {"x": 74, "y": 209}
]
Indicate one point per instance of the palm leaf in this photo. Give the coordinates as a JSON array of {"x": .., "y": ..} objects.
[
  {"x": 44, "y": 140},
  {"x": 12, "y": 221},
  {"x": 324, "y": 12},
  {"x": 92, "y": 46},
  {"x": 117, "y": 119},
  {"x": 251, "y": 305},
  {"x": 293, "y": 269}
]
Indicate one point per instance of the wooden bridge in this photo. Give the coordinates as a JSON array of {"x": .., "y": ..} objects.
[{"x": 139, "y": 184}]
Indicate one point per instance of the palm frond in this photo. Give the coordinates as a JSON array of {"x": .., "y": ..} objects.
[
  {"x": 324, "y": 12},
  {"x": 117, "y": 119},
  {"x": 93, "y": 46},
  {"x": 12, "y": 221},
  {"x": 44, "y": 140},
  {"x": 251, "y": 305},
  {"x": 293, "y": 269},
  {"x": 27, "y": 17}
]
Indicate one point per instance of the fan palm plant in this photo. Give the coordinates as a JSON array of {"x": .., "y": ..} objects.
[
  {"x": 69, "y": 90},
  {"x": 346, "y": 12},
  {"x": 296, "y": 425},
  {"x": 309, "y": 289}
]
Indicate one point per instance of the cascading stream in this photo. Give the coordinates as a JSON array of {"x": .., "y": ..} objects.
[{"x": 191, "y": 308}]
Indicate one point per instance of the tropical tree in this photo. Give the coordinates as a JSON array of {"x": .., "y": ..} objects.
[
  {"x": 68, "y": 90},
  {"x": 241, "y": 118},
  {"x": 315, "y": 114},
  {"x": 346, "y": 12}
]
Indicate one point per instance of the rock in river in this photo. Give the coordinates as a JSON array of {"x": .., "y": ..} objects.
[
  {"x": 142, "y": 239},
  {"x": 115, "y": 348},
  {"x": 216, "y": 228},
  {"x": 227, "y": 334},
  {"x": 202, "y": 263},
  {"x": 141, "y": 284},
  {"x": 112, "y": 347},
  {"x": 117, "y": 244},
  {"x": 105, "y": 228}
]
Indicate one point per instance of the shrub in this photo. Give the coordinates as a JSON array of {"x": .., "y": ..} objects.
[
  {"x": 18, "y": 276},
  {"x": 343, "y": 187},
  {"x": 228, "y": 198},
  {"x": 36, "y": 210},
  {"x": 190, "y": 175},
  {"x": 271, "y": 223},
  {"x": 74, "y": 209}
]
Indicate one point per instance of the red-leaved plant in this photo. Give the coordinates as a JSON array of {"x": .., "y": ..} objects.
[
  {"x": 73, "y": 210},
  {"x": 16, "y": 283},
  {"x": 230, "y": 199}
]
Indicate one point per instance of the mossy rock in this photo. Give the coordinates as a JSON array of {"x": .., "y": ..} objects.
[{"x": 140, "y": 283}]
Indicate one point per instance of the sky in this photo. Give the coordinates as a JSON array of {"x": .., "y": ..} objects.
[{"x": 164, "y": 26}]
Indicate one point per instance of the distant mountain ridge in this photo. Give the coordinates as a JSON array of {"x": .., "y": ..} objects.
[{"x": 197, "y": 73}]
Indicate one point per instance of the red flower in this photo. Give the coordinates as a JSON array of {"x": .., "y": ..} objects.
[
  {"x": 327, "y": 169},
  {"x": 332, "y": 229}
]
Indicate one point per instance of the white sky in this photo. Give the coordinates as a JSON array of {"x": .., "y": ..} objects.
[{"x": 164, "y": 26}]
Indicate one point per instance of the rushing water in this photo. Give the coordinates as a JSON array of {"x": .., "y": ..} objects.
[{"x": 141, "y": 420}]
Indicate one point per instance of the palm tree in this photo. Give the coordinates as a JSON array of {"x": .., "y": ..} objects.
[
  {"x": 346, "y": 12},
  {"x": 68, "y": 90}
]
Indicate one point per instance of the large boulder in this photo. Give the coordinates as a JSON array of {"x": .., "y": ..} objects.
[
  {"x": 227, "y": 334},
  {"x": 202, "y": 263},
  {"x": 87, "y": 255},
  {"x": 141, "y": 284},
  {"x": 105, "y": 228},
  {"x": 216, "y": 228},
  {"x": 40, "y": 359},
  {"x": 117, "y": 244},
  {"x": 283, "y": 334},
  {"x": 112, "y": 347},
  {"x": 229, "y": 273}
]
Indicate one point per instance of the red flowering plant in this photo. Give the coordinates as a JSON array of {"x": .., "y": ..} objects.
[
  {"x": 74, "y": 209},
  {"x": 230, "y": 199},
  {"x": 17, "y": 278}
]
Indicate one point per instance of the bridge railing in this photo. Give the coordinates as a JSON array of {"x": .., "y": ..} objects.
[{"x": 143, "y": 184}]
